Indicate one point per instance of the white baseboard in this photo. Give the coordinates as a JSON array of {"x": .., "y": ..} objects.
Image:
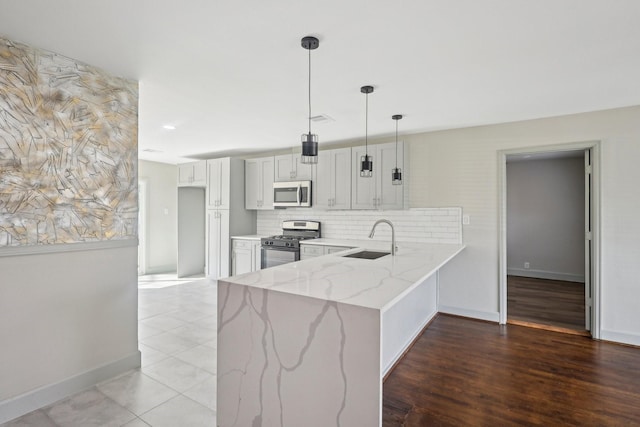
[
  {"x": 46, "y": 395},
  {"x": 161, "y": 269},
  {"x": 541, "y": 274},
  {"x": 491, "y": 316},
  {"x": 620, "y": 337}
]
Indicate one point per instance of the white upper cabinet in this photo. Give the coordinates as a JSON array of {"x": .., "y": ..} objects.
[
  {"x": 288, "y": 167},
  {"x": 332, "y": 180},
  {"x": 193, "y": 174},
  {"x": 378, "y": 192},
  {"x": 259, "y": 174},
  {"x": 218, "y": 183}
]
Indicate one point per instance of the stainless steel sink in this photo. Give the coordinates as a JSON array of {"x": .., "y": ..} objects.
[{"x": 367, "y": 255}]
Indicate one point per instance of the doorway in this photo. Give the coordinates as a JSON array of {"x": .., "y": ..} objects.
[{"x": 548, "y": 237}]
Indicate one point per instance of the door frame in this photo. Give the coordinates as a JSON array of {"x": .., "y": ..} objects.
[
  {"x": 594, "y": 146},
  {"x": 143, "y": 219}
]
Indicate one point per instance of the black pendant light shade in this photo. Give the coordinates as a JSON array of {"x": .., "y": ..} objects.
[
  {"x": 396, "y": 173},
  {"x": 366, "y": 161},
  {"x": 309, "y": 140}
]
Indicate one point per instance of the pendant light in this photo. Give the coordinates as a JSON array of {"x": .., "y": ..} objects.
[
  {"x": 396, "y": 173},
  {"x": 366, "y": 161},
  {"x": 309, "y": 140}
]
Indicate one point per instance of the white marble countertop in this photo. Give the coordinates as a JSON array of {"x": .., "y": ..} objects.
[
  {"x": 367, "y": 283},
  {"x": 249, "y": 237}
]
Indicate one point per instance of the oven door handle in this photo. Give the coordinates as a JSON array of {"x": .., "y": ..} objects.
[{"x": 299, "y": 194}]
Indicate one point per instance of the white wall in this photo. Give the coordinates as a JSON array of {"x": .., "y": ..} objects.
[
  {"x": 460, "y": 168},
  {"x": 67, "y": 321},
  {"x": 545, "y": 218},
  {"x": 162, "y": 219}
]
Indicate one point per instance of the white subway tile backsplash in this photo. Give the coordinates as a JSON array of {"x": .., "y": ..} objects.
[{"x": 428, "y": 225}]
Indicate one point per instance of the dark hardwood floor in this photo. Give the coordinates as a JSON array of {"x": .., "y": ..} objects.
[
  {"x": 547, "y": 302},
  {"x": 463, "y": 372}
]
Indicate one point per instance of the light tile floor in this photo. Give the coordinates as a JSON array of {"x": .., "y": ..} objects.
[{"x": 176, "y": 385}]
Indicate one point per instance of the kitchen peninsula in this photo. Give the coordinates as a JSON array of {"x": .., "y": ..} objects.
[{"x": 308, "y": 343}]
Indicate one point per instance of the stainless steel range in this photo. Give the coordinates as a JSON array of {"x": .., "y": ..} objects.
[{"x": 285, "y": 248}]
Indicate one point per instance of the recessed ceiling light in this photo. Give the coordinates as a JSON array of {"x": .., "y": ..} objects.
[
  {"x": 169, "y": 127},
  {"x": 151, "y": 150}
]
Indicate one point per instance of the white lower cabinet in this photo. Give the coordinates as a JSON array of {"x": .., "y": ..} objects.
[
  {"x": 245, "y": 256},
  {"x": 311, "y": 251}
]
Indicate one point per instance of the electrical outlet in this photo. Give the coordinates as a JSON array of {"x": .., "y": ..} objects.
[
  {"x": 526, "y": 265},
  {"x": 465, "y": 219}
]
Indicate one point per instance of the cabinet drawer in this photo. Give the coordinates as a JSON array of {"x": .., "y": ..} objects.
[
  {"x": 311, "y": 251},
  {"x": 242, "y": 244},
  {"x": 334, "y": 249}
]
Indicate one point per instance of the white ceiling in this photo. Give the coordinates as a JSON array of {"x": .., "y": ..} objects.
[{"x": 232, "y": 77}]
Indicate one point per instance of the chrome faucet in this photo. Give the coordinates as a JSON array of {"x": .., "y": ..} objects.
[{"x": 393, "y": 233}]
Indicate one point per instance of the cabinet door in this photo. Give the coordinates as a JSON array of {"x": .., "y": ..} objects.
[
  {"x": 225, "y": 244},
  {"x": 185, "y": 174},
  {"x": 288, "y": 167},
  {"x": 341, "y": 174},
  {"x": 253, "y": 186},
  {"x": 200, "y": 173},
  {"x": 241, "y": 257},
  {"x": 259, "y": 183},
  {"x": 218, "y": 244},
  {"x": 224, "y": 187},
  {"x": 213, "y": 244},
  {"x": 302, "y": 172},
  {"x": 389, "y": 196},
  {"x": 257, "y": 256},
  {"x": 323, "y": 181},
  {"x": 311, "y": 251},
  {"x": 214, "y": 176},
  {"x": 284, "y": 168},
  {"x": 363, "y": 190},
  {"x": 266, "y": 173},
  {"x": 334, "y": 249}
]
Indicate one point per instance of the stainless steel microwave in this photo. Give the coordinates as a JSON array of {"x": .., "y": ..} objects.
[{"x": 292, "y": 194}]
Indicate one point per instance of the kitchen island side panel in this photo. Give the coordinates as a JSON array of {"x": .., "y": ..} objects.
[
  {"x": 286, "y": 360},
  {"x": 403, "y": 322}
]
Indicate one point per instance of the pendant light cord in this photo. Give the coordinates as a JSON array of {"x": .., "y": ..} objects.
[
  {"x": 309, "y": 91},
  {"x": 396, "y": 144},
  {"x": 366, "y": 126}
]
